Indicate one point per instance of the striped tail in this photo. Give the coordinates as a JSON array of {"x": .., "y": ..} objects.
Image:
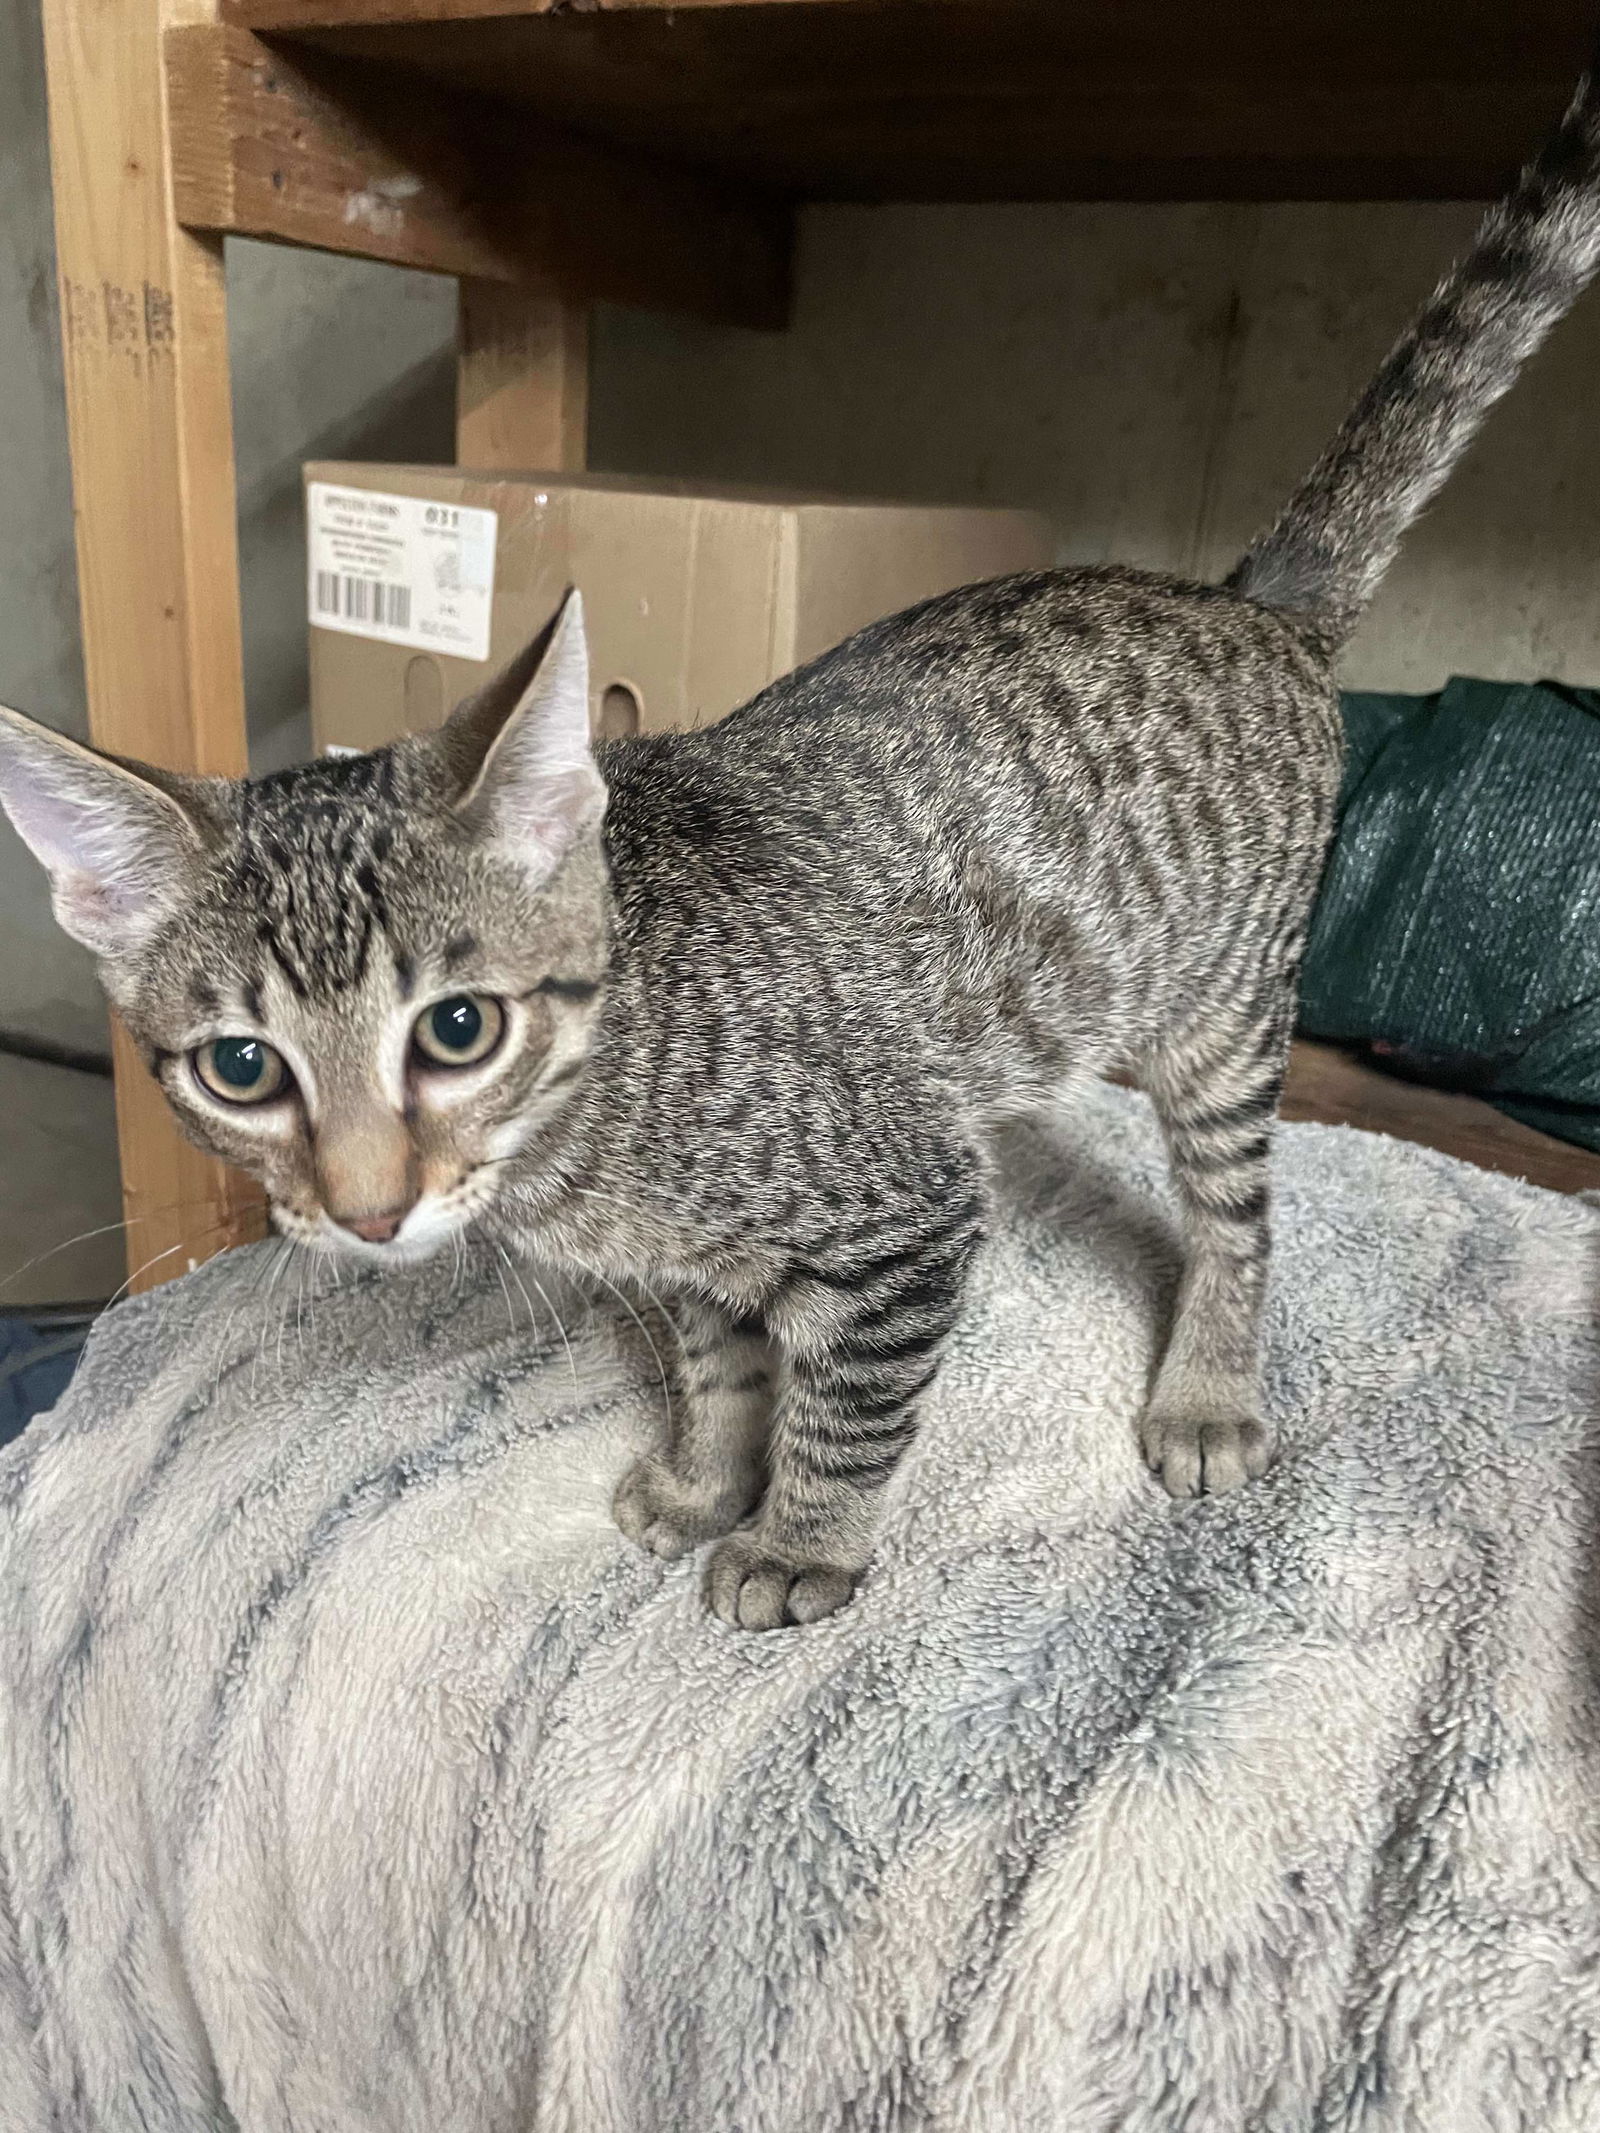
[{"x": 1535, "y": 252}]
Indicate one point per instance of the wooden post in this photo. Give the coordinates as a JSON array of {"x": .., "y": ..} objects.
[
  {"x": 522, "y": 379},
  {"x": 146, "y": 357}
]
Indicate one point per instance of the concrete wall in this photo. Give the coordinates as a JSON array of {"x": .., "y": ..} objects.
[
  {"x": 1155, "y": 378},
  {"x": 332, "y": 359},
  {"x": 45, "y": 983}
]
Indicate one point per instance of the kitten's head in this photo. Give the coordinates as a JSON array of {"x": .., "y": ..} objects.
[{"x": 369, "y": 981}]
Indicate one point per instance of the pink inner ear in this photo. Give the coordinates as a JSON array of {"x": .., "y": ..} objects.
[
  {"x": 112, "y": 898},
  {"x": 538, "y": 818},
  {"x": 112, "y": 915},
  {"x": 117, "y": 849}
]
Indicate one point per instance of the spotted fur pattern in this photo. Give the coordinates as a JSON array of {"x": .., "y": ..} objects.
[{"x": 763, "y": 1015}]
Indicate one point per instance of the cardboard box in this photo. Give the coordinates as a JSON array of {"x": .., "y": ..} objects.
[{"x": 695, "y": 598}]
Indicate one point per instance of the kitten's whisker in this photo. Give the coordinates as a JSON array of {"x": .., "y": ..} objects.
[
  {"x": 266, "y": 1305},
  {"x": 666, "y": 1395},
  {"x": 330, "y": 1258},
  {"x": 300, "y": 1306},
  {"x": 252, "y": 1292},
  {"x": 672, "y": 1324},
  {"x": 308, "y": 1318},
  {"x": 283, "y": 1315},
  {"x": 511, "y": 1315},
  {"x": 511, "y": 1267},
  {"x": 168, "y": 1207},
  {"x": 225, "y": 1334},
  {"x": 66, "y": 1245},
  {"x": 596, "y": 1192},
  {"x": 155, "y": 1259},
  {"x": 572, "y": 1361},
  {"x": 280, "y": 1266}
]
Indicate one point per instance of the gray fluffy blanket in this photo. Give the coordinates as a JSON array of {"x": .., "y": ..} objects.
[{"x": 356, "y": 1775}]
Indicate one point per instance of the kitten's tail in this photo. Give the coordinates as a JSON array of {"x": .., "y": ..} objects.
[{"x": 1534, "y": 254}]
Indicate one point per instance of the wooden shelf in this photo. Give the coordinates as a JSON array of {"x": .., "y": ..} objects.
[
  {"x": 1336, "y": 1089},
  {"x": 1002, "y": 99},
  {"x": 1327, "y": 1086},
  {"x": 313, "y": 149}
]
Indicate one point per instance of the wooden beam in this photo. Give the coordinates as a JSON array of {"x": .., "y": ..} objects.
[
  {"x": 146, "y": 359},
  {"x": 522, "y": 370},
  {"x": 315, "y": 149}
]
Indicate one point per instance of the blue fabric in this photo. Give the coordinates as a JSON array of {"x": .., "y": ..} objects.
[
  {"x": 1457, "y": 934},
  {"x": 36, "y": 1366}
]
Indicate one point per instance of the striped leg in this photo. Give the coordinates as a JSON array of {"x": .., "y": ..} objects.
[
  {"x": 859, "y": 1341},
  {"x": 1216, "y": 1089},
  {"x": 671, "y": 1501}
]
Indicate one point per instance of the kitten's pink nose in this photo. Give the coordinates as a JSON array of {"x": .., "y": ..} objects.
[
  {"x": 376, "y": 1229},
  {"x": 367, "y": 1176}
]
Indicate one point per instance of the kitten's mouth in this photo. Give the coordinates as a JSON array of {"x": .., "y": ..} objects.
[
  {"x": 405, "y": 1238},
  {"x": 405, "y": 1248}
]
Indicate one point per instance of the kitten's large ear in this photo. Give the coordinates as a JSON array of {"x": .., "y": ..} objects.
[
  {"x": 118, "y": 849},
  {"x": 519, "y": 749}
]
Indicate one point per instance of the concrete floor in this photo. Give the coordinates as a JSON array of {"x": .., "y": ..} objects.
[{"x": 58, "y": 1180}]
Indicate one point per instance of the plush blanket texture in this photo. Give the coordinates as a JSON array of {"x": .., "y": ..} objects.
[{"x": 355, "y": 1774}]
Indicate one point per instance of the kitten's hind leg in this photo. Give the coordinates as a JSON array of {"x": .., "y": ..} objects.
[
  {"x": 704, "y": 1483},
  {"x": 1215, "y": 1086}
]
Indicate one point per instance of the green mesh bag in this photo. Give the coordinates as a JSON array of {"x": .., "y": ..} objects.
[{"x": 1457, "y": 934}]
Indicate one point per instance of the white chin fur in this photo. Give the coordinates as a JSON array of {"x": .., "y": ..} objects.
[{"x": 424, "y": 1231}]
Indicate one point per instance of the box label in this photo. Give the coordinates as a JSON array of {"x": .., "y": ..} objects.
[{"x": 401, "y": 569}]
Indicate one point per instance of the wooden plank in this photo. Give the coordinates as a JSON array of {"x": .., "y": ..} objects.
[
  {"x": 315, "y": 150},
  {"x": 1335, "y": 1088},
  {"x": 1447, "y": 40},
  {"x": 1009, "y": 99},
  {"x": 1328, "y": 1086},
  {"x": 146, "y": 359},
  {"x": 303, "y": 14},
  {"x": 522, "y": 370}
]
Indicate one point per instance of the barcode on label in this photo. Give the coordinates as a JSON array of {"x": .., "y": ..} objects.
[
  {"x": 363, "y": 600},
  {"x": 400, "y": 569}
]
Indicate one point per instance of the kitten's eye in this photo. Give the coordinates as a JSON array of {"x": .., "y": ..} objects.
[
  {"x": 241, "y": 1070},
  {"x": 459, "y": 1031}
]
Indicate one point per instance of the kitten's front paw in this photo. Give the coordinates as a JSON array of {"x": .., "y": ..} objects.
[
  {"x": 1204, "y": 1457},
  {"x": 668, "y": 1517},
  {"x": 752, "y": 1587}
]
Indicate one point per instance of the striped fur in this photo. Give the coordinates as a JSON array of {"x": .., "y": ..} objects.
[{"x": 763, "y": 1020}]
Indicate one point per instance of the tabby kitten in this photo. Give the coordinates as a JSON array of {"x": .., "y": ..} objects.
[{"x": 728, "y": 1013}]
